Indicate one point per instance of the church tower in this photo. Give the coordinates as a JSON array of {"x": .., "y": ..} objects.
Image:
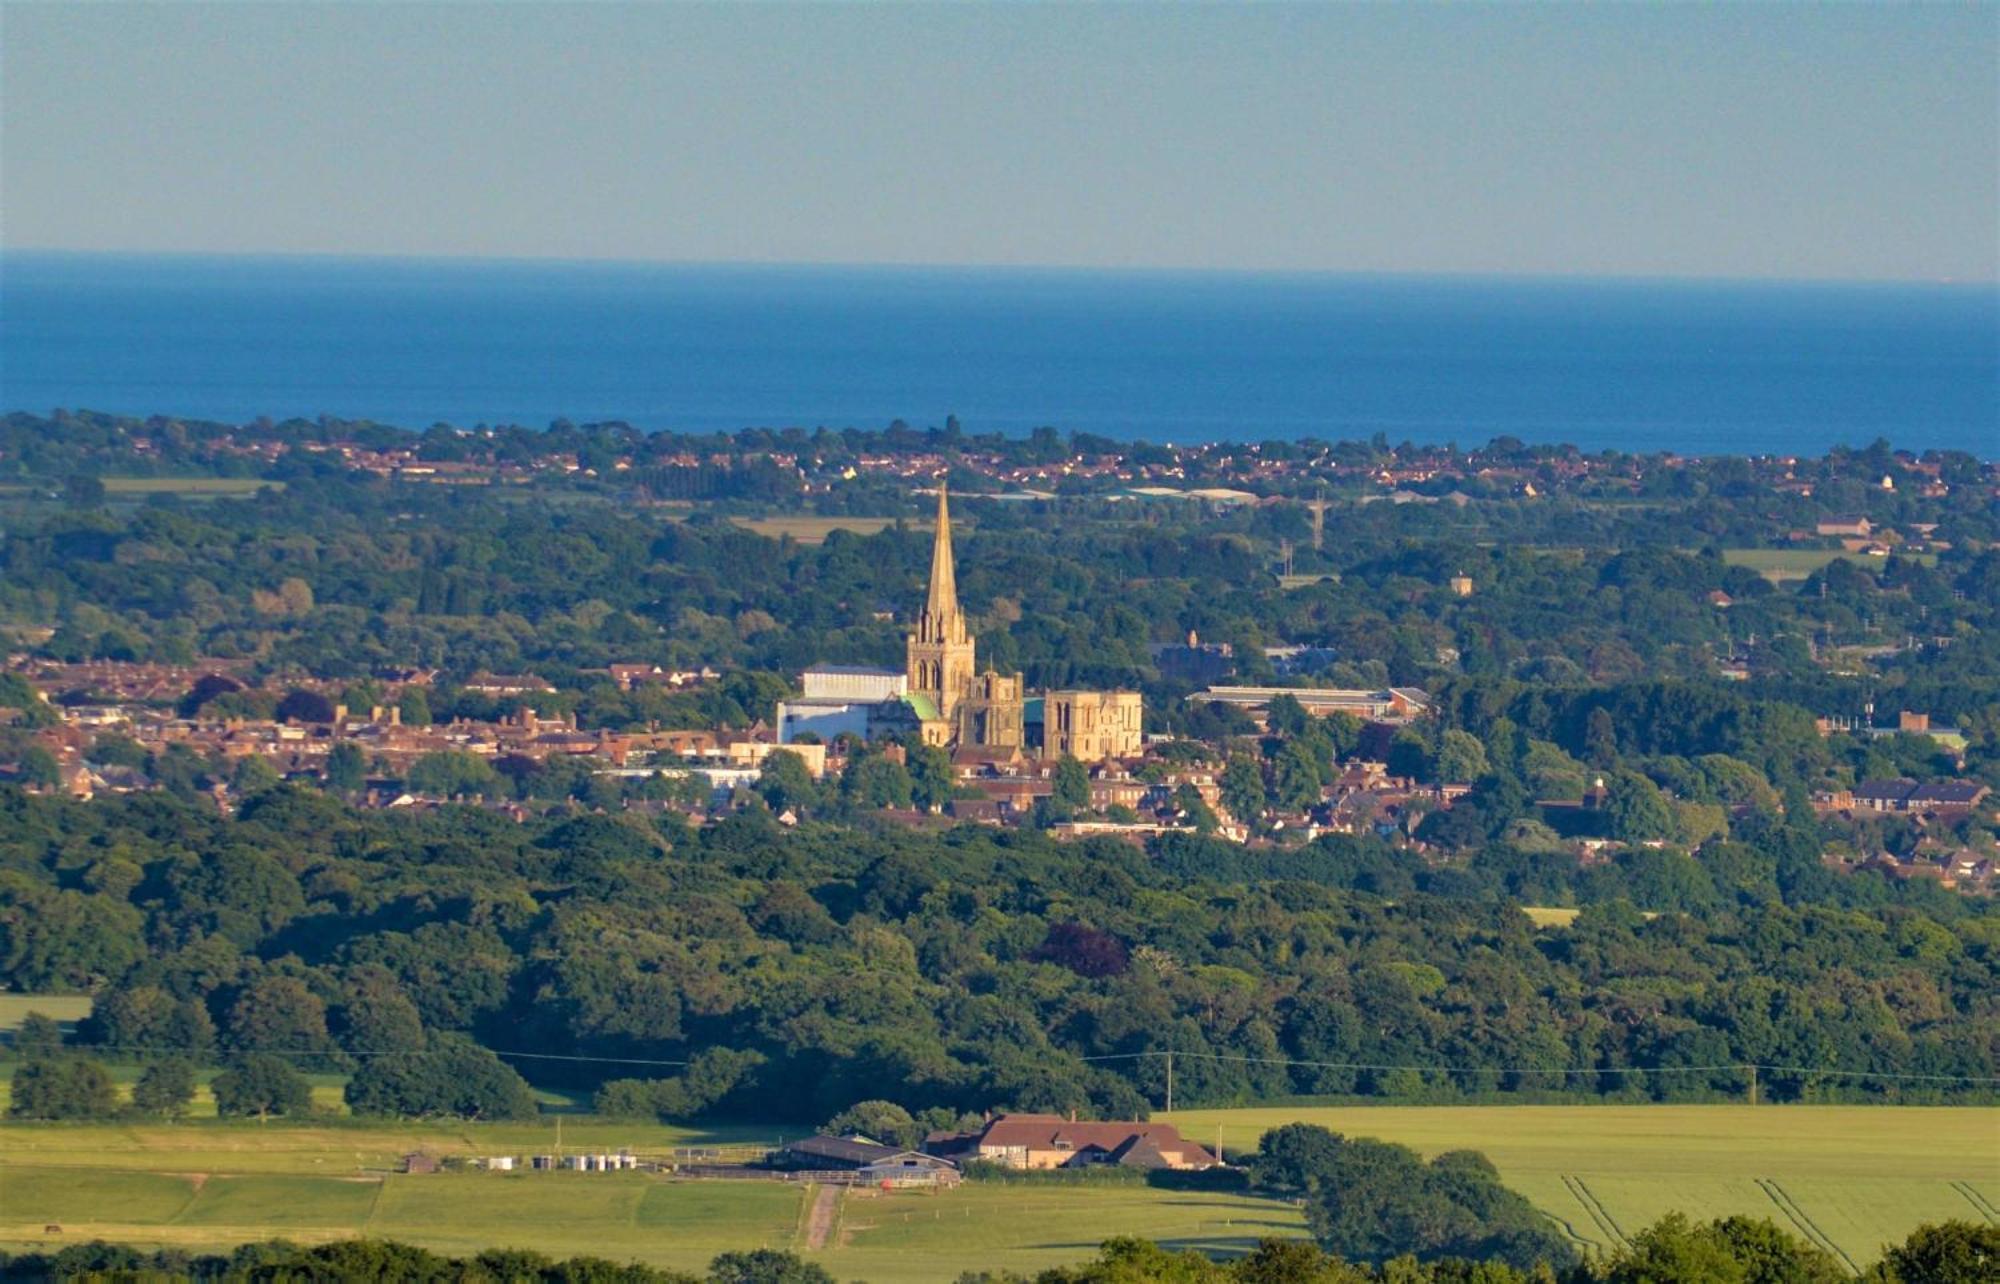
[{"x": 939, "y": 649}]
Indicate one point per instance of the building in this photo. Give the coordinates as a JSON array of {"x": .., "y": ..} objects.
[
  {"x": 1091, "y": 726},
  {"x": 870, "y": 1162},
  {"x": 943, "y": 697},
  {"x": 1051, "y": 1141},
  {"x": 1394, "y": 704}
]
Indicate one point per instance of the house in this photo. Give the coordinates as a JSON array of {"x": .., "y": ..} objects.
[
  {"x": 1051, "y": 1141},
  {"x": 1852, "y": 527},
  {"x": 419, "y": 1162},
  {"x": 871, "y": 1162}
]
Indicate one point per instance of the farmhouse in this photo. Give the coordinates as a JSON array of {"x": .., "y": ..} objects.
[{"x": 1051, "y": 1141}]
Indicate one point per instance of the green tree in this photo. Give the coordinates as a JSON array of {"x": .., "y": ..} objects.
[
  {"x": 785, "y": 783},
  {"x": 38, "y": 1036},
  {"x": 165, "y": 1088},
  {"x": 262, "y": 1085},
  {"x": 1461, "y": 758},
  {"x": 1635, "y": 810},
  {"x": 63, "y": 1088},
  {"x": 1241, "y": 788},
  {"x": 346, "y": 768},
  {"x": 882, "y": 1121},
  {"x": 454, "y": 1077},
  {"x": 1071, "y": 784},
  {"x": 766, "y": 1266},
  {"x": 414, "y": 707},
  {"x": 1954, "y": 1252}
]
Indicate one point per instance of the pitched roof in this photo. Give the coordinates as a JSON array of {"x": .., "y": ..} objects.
[
  {"x": 1053, "y": 1132},
  {"x": 845, "y": 1150}
]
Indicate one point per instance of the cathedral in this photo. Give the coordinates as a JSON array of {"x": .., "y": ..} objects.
[{"x": 952, "y": 704}]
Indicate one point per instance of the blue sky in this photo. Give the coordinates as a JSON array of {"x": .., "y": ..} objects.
[{"x": 1766, "y": 141}]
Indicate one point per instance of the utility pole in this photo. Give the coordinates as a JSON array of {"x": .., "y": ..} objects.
[
  {"x": 1753, "y": 1084},
  {"x": 1318, "y": 507},
  {"x": 1170, "y": 1083}
]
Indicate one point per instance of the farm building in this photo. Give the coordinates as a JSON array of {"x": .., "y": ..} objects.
[{"x": 872, "y": 1163}]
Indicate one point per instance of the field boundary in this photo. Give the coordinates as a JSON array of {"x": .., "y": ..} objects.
[
  {"x": 1980, "y": 1204},
  {"x": 1614, "y": 1236},
  {"x": 1801, "y": 1219}
]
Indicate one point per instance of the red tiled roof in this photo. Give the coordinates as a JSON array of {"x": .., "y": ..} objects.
[{"x": 1052, "y": 1132}]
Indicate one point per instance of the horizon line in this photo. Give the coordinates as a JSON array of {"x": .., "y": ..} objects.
[{"x": 1079, "y": 269}]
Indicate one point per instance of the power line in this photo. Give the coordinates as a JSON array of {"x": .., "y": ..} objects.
[
  {"x": 1734, "y": 1066},
  {"x": 1167, "y": 1053}
]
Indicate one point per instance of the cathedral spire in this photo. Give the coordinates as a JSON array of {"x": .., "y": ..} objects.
[{"x": 943, "y": 602}]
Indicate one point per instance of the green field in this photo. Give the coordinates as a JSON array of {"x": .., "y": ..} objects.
[
  {"x": 66, "y": 1008},
  {"x": 814, "y": 530},
  {"x": 1851, "y": 1177},
  {"x": 1780, "y": 564}
]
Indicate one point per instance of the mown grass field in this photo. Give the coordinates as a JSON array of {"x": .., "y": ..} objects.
[
  {"x": 1851, "y": 1177},
  {"x": 66, "y": 1008},
  {"x": 1780, "y": 564},
  {"x": 814, "y": 530}
]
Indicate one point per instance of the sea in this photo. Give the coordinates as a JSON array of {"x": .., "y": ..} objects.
[{"x": 1701, "y": 368}]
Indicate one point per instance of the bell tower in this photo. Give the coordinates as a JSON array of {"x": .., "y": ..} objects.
[{"x": 939, "y": 649}]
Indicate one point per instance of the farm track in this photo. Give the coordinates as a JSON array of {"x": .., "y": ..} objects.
[
  {"x": 819, "y": 1221},
  {"x": 1980, "y": 1204},
  {"x": 1799, "y": 1218},
  {"x": 1614, "y": 1237}
]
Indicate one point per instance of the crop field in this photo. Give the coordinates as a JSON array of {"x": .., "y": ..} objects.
[
  {"x": 1851, "y": 1178},
  {"x": 1848, "y": 1177}
]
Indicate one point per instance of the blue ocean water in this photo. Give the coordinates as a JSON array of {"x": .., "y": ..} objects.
[{"x": 1699, "y": 368}]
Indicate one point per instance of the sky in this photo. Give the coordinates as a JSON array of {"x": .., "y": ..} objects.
[{"x": 1781, "y": 140}]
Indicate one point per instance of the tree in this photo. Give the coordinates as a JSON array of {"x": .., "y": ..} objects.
[
  {"x": 346, "y": 768},
  {"x": 1635, "y": 810},
  {"x": 785, "y": 783},
  {"x": 38, "y": 1036},
  {"x": 304, "y": 706},
  {"x": 81, "y": 490},
  {"x": 930, "y": 774},
  {"x": 766, "y": 1266},
  {"x": 262, "y": 1085},
  {"x": 1461, "y": 758},
  {"x": 253, "y": 775},
  {"x": 882, "y": 1121},
  {"x": 1600, "y": 740},
  {"x": 1952, "y": 1252},
  {"x": 455, "y": 1077},
  {"x": 63, "y": 1088},
  {"x": 414, "y": 707},
  {"x": 37, "y": 768},
  {"x": 1241, "y": 789},
  {"x": 1071, "y": 784},
  {"x": 165, "y": 1088}
]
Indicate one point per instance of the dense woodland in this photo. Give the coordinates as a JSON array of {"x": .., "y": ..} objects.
[{"x": 801, "y": 970}]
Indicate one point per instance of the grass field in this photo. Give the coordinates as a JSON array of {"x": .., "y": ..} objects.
[
  {"x": 1852, "y": 1177},
  {"x": 66, "y": 1008},
  {"x": 814, "y": 530},
  {"x": 1551, "y": 915},
  {"x": 328, "y": 1090},
  {"x": 1780, "y": 564}
]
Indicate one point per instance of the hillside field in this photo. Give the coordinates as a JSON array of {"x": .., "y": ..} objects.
[
  {"x": 1852, "y": 1177},
  {"x": 1848, "y": 1177}
]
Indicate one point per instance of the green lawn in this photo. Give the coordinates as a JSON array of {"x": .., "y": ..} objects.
[{"x": 1859, "y": 1176}]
